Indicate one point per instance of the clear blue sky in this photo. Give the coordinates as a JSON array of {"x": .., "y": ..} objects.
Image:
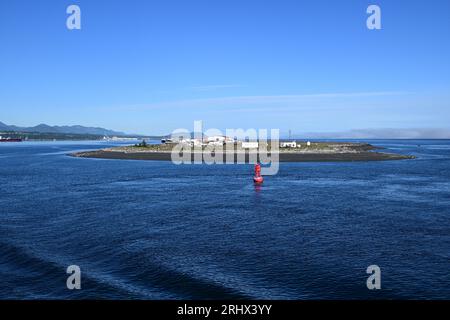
[{"x": 154, "y": 66}]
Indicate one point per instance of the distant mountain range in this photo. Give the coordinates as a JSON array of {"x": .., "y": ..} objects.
[{"x": 44, "y": 128}]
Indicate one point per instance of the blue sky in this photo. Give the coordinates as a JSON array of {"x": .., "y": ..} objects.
[{"x": 154, "y": 66}]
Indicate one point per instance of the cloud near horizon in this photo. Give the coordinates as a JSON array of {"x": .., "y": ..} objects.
[
  {"x": 234, "y": 101},
  {"x": 381, "y": 133},
  {"x": 322, "y": 112},
  {"x": 215, "y": 87}
]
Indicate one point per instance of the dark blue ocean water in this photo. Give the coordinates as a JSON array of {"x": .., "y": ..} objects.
[{"x": 154, "y": 230}]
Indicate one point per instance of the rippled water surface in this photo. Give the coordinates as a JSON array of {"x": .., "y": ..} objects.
[{"x": 154, "y": 230}]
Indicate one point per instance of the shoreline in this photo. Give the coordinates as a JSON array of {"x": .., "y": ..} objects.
[{"x": 283, "y": 156}]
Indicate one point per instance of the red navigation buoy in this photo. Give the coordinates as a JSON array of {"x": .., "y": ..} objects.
[{"x": 258, "y": 178}]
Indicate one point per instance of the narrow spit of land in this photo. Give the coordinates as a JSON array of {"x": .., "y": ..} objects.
[{"x": 315, "y": 152}]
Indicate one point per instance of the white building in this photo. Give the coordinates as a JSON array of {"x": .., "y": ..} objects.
[
  {"x": 292, "y": 144},
  {"x": 192, "y": 142},
  {"x": 216, "y": 143},
  {"x": 219, "y": 140},
  {"x": 119, "y": 138},
  {"x": 250, "y": 145}
]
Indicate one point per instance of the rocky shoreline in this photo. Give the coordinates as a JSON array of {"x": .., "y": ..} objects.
[{"x": 336, "y": 153}]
